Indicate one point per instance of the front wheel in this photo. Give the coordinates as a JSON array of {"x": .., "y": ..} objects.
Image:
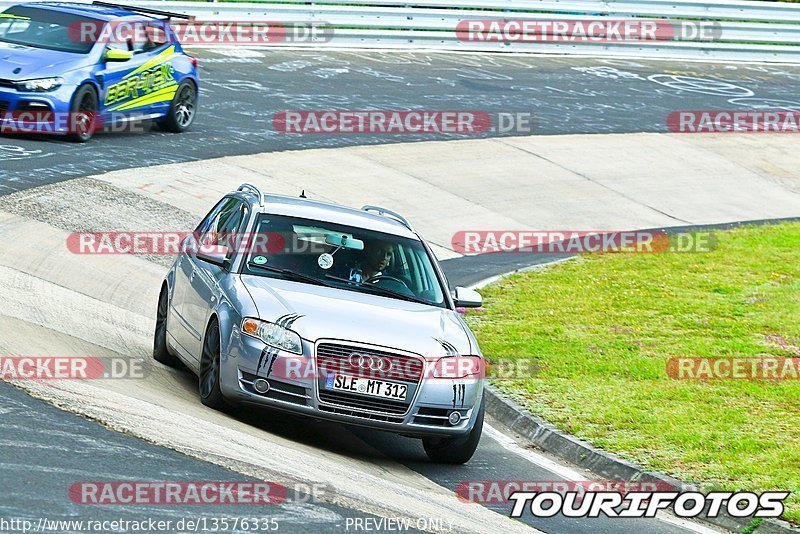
[
  {"x": 84, "y": 115},
  {"x": 456, "y": 450},
  {"x": 210, "y": 392},
  {"x": 182, "y": 110},
  {"x": 161, "y": 352}
]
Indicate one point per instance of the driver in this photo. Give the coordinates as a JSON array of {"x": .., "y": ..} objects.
[{"x": 373, "y": 261}]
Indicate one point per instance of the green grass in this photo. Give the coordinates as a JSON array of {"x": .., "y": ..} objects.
[{"x": 602, "y": 327}]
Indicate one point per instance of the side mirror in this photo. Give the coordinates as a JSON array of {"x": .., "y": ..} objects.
[
  {"x": 215, "y": 255},
  {"x": 467, "y": 298},
  {"x": 115, "y": 54}
]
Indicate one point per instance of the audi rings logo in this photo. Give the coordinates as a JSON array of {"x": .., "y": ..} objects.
[{"x": 373, "y": 363}]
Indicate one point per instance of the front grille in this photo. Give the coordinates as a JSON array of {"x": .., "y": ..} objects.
[
  {"x": 406, "y": 369},
  {"x": 334, "y": 356},
  {"x": 7, "y": 83}
]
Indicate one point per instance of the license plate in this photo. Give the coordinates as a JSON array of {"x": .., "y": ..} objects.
[{"x": 367, "y": 386}]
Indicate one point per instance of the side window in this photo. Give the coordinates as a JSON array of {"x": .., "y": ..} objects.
[
  {"x": 116, "y": 42},
  {"x": 154, "y": 35},
  {"x": 10, "y": 27},
  {"x": 223, "y": 226}
]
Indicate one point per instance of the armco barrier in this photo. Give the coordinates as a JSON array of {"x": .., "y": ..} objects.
[{"x": 745, "y": 30}]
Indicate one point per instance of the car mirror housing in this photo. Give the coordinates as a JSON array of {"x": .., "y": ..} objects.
[
  {"x": 115, "y": 54},
  {"x": 467, "y": 298},
  {"x": 216, "y": 255}
]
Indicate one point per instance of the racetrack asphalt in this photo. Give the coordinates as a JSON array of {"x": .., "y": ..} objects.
[{"x": 242, "y": 91}]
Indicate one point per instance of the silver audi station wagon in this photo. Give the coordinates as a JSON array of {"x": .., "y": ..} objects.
[{"x": 326, "y": 311}]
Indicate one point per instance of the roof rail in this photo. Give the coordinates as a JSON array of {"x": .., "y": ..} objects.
[
  {"x": 389, "y": 213},
  {"x": 145, "y": 11},
  {"x": 245, "y": 187}
]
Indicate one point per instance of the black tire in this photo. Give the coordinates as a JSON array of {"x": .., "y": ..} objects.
[
  {"x": 456, "y": 450},
  {"x": 161, "y": 352},
  {"x": 210, "y": 393},
  {"x": 84, "y": 102},
  {"x": 182, "y": 110}
]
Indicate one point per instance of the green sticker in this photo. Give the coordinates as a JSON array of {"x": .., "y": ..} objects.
[{"x": 259, "y": 260}]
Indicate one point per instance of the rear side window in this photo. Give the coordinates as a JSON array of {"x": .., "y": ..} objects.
[{"x": 154, "y": 36}]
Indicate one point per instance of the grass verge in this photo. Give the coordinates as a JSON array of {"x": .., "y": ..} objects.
[{"x": 600, "y": 330}]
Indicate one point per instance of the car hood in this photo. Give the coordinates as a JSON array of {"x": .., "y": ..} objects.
[
  {"x": 328, "y": 313},
  {"x": 18, "y": 62}
]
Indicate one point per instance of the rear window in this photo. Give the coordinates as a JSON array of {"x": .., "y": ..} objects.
[{"x": 43, "y": 28}]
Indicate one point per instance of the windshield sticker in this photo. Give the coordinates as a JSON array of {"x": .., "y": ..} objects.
[
  {"x": 260, "y": 260},
  {"x": 325, "y": 261}
]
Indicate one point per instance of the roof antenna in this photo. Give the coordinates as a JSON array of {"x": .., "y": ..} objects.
[{"x": 303, "y": 194}]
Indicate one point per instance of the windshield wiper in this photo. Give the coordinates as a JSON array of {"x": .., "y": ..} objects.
[
  {"x": 299, "y": 277},
  {"x": 379, "y": 289}
]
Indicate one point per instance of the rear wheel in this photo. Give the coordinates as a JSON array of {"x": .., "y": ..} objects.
[
  {"x": 161, "y": 352},
  {"x": 210, "y": 392},
  {"x": 83, "y": 118},
  {"x": 182, "y": 110},
  {"x": 456, "y": 450}
]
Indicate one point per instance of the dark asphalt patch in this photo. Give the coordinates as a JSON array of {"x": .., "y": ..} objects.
[{"x": 240, "y": 95}]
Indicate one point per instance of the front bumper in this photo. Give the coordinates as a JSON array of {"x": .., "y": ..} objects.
[
  {"x": 13, "y": 103},
  {"x": 432, "y": 400}
]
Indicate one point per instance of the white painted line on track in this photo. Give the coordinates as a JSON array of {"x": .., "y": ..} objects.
[{"x": 570, "y": 474}]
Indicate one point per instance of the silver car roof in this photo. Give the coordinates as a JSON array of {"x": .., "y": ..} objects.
[{"x": 327, "y": 211}]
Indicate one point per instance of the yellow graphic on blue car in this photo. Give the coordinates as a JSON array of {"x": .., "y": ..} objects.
[{"x": 151, "y": 83}]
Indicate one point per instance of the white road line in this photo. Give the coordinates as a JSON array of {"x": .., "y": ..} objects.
[{"x": 570, "y": 474}]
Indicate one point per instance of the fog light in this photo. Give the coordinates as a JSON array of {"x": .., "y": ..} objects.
[
  {"x": 261, "y": 385},
  {"x": 454, "y": 418}
]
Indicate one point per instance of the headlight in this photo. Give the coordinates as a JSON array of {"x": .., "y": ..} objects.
[
  {"x": 273, "y": 335},
  {"x": 456, "y": 367},
  {"x": 40, "y": 85}
]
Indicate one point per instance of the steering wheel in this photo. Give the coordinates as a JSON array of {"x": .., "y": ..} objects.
[{"x": 381, "y": 277}]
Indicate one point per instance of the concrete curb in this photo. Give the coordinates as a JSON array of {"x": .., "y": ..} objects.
[{"x": 548, "y": 438}]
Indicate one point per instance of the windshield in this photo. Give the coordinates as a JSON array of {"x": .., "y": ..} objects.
[
  {"x": 344, "y": 257},
  {"x": 43, "y": 28}
]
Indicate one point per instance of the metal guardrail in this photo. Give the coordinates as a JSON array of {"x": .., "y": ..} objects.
[{"x": 745, "y": 30}]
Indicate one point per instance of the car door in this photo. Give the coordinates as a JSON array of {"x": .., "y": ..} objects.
[
  {"x": 184, "y": 276},
  {"x": 141, "y": 85},
  {"x": 204, "y": 280}
]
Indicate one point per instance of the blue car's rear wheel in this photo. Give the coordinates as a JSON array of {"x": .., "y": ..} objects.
[
  {"x": 182, "y": 110},
  {"x": 83, "y": 118}
]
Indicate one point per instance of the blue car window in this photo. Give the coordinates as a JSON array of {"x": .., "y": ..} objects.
[{"x": 43, "y": 28}]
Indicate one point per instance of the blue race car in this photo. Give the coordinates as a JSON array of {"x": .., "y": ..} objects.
[{"x": 71, "y": 69}]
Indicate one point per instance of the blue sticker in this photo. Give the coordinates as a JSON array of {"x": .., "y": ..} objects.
[
  {"x": 259, "y": 260},
  {"x": 329, "y": 380}
]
